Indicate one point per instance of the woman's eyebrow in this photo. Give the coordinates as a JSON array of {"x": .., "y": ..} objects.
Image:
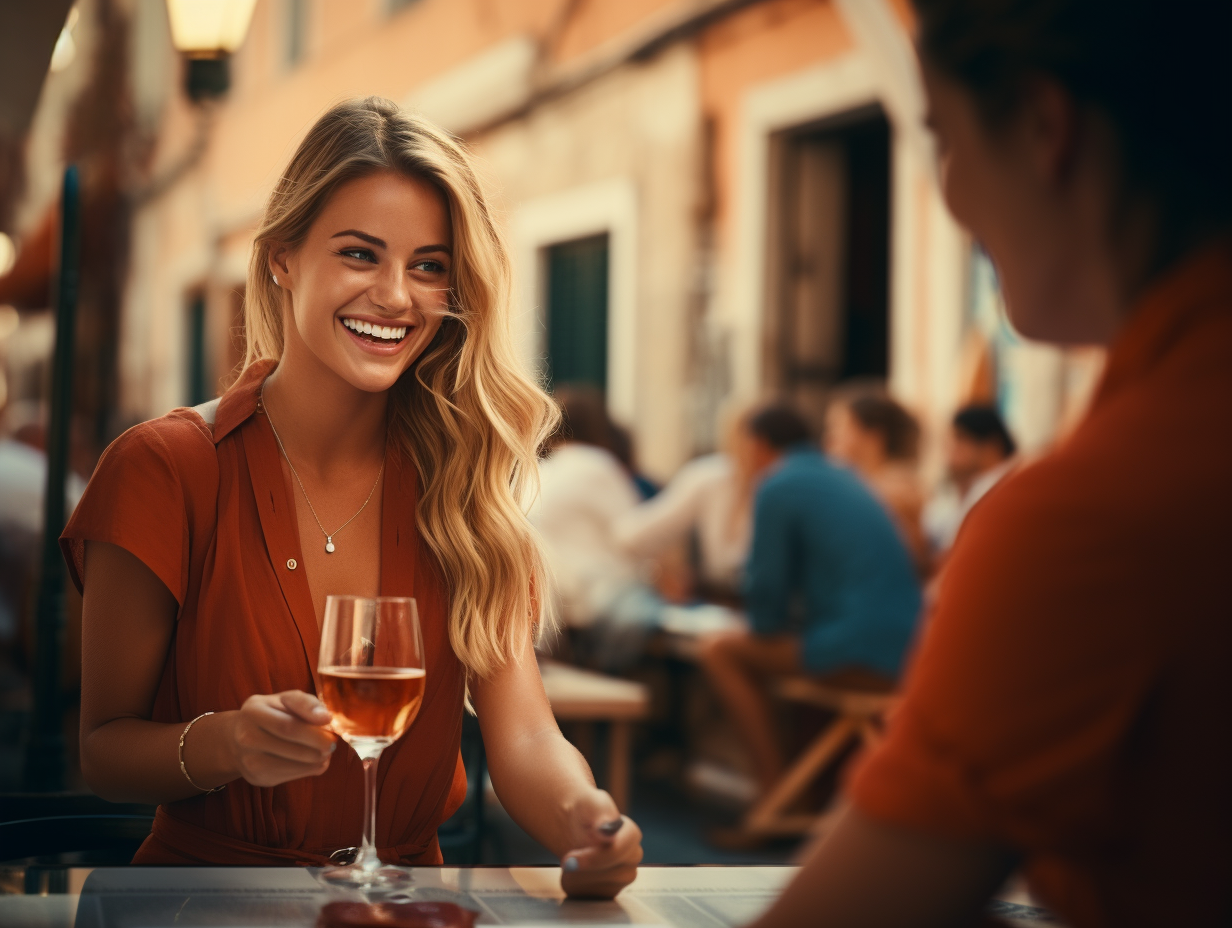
[
  {"x": 425, "y": 248},
  {"x": 370, "y": 239}
]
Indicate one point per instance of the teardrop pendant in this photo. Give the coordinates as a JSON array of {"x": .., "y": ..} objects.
[{"x": 329, "y": 544}]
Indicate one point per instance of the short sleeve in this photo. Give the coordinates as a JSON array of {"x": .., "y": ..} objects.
[
  {"x": 141, "y": 498},
  {"x": 1028, "y": 680}
]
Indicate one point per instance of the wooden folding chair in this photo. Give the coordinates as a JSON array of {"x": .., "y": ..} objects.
[{"x": 859, "y": 717}]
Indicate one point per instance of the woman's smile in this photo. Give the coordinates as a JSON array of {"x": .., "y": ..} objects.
[{"x": 376, "y": 336}]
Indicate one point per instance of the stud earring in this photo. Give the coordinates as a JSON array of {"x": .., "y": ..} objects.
[{"x": 275, "y": 279}]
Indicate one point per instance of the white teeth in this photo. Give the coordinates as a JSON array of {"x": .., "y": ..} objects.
[{"x": 390, "y": 333}]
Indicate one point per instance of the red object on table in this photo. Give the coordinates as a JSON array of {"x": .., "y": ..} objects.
[{"x": 395, "y": 915}]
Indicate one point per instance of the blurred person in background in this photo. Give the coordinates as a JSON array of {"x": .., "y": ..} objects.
[
  {"x": 23, "y": 483},
  {"x": 829, "y": 588},
  {"x": 23, "y": 478},
  {"x": 1068, "y": 711},
  {"x": 979, "y": 453},
  {"x": 584, "y": 490},
  {"x": 622, "y": 445},
  {"x": 872, "y": 433},
  {"x": 708, "y": 502},
  {"x": 378, "y": 369}
]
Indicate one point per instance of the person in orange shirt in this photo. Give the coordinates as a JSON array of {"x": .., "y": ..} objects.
[
  {"x": 1069, "y": 707},
  {"x": 379, "y": 370}
]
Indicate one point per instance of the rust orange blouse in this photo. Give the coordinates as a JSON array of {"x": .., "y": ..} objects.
[{"x": 208, "y": 510}]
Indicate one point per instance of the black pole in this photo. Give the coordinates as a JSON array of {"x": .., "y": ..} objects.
[{"x": 45, "y": 752}]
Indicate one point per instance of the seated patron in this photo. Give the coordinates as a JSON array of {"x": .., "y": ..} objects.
[
  {"x": 872, "y": 433},
  {"x": 979, "y": 454},
  {"x": 584, "y": 490},
  {"x": 708, "y": 502},
  {"x": 829, "y": 588},
  {"x": 1068, "y": 710}
]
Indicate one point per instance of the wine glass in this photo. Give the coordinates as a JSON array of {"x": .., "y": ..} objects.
[{"x": 372, "y": 680}]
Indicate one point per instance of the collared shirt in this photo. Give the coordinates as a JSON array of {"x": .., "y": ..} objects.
[
  {"x": 211, "y": 514},
  {"x": 822, "y": 541},
  {"x": 1071, "y": 697},
  {"x": 583, "y": 492}
]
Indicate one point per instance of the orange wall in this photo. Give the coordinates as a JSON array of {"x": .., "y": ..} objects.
[
  {"x": 353, "y": 49},
  {"x": 596, "y": 21},
  {"x": 760, "y": 43},
  {"x": 364, "y": 53},
  {"x": 906, "y": 14}
]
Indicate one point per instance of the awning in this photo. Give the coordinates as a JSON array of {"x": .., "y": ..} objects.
[{"x": 28, "y": 284}]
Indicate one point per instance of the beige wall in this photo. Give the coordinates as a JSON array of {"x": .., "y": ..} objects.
[
  {"x": 637, "y": 127},
  {"x": 574, "y": 141}
]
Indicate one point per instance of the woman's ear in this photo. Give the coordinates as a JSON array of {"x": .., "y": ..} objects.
[{"x": 278, "y": 266}]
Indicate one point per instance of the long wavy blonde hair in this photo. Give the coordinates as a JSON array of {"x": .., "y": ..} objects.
[{"x": 466, "y": 415}]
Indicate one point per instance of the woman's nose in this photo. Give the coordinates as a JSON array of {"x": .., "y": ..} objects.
[{"x": 393, "y": 291}]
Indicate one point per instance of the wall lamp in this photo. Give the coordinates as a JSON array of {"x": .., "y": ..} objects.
[{"x": 206, "y": 32}]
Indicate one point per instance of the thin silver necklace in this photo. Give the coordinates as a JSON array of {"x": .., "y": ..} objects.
[{"x": 329, "y": 536}]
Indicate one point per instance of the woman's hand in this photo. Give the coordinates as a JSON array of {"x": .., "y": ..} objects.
[
  {"x": 281, "y": 737},
  {"x": 546, "y": 786},
  {"x": 608, "y": 848}
]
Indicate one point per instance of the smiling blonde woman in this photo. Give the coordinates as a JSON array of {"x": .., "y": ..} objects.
[{"x": 380, "y": 440}]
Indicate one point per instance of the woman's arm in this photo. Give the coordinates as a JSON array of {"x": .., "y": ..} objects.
[
  {"x": 872, "y": 875},
  {"x": 128, "y": 618},
  {"x": 546, "y": 785}
]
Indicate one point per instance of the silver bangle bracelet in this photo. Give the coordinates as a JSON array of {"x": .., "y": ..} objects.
[{"x": 183, "y": 769}]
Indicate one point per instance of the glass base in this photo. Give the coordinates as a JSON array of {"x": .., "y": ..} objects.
[{"x": 382, "y": 879}]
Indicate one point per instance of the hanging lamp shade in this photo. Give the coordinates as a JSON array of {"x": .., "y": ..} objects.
[{"x": 209, "y": 28}]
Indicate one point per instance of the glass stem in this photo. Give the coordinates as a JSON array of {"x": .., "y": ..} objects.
[{"x": 368, "y": 858}]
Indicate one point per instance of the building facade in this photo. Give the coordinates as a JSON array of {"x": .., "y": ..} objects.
[{"x": 708, "y": 202}]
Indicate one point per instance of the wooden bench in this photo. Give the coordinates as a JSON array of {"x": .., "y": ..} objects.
[{"x": 579, "y": 695}]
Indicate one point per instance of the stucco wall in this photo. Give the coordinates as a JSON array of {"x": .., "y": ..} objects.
[{"x": 639, "y": 124}]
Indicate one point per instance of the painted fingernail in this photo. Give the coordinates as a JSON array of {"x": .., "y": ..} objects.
[
  {"x": 607, "y": 829},
  {"x": 571, "y": 864}
]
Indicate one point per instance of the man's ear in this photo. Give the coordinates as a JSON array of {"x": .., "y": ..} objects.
[{"x": 1053, "y": 129}]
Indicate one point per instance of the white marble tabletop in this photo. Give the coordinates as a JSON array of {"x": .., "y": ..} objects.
[{"x": 227, "y": 897}]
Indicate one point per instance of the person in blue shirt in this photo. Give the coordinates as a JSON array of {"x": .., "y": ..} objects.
[{"x": 830, "y": 589}]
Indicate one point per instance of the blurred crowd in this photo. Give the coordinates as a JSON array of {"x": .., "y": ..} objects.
[{"x": 786, "y": 552}]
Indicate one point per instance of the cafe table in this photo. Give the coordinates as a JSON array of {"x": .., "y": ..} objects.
[{"x": 233, "y": 897}]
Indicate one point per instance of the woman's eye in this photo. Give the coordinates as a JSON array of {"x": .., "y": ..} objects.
[
  {"x": 361, "y": 254},
  {"x": 430, "y": 267}
]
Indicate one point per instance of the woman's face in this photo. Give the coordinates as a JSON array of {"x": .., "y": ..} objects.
[
  {"x": 369, "y": 286},
  {"x": 849, "y": 442},
  {"x": 1031, "y": 192}
]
